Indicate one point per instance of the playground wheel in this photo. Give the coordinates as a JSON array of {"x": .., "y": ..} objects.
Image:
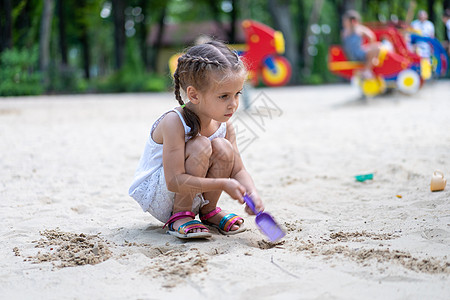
[
  {"x": 276, "y": 71},
  {"x": 408, "y": 81},
  {"x": 373, "y": 86}
]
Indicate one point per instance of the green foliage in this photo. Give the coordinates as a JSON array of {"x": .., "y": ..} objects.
[
  {"x": 313, "y": 79},
  {"x": 87, "y": 18},
  {"x": 18, "y": 75},
  {"x": 189, "y": 11},
  {"x": 132, "y": 77},
  {"x": 26, "y": 17},
  {"x": 127, "y": 80},
  {"x": 258, "y": 11},
  {"x": 65, "y": 79}
]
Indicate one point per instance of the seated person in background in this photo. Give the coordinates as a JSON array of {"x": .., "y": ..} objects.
[
  {"x": 423, "y": 25},
  {"x": 352, "y": 37}
]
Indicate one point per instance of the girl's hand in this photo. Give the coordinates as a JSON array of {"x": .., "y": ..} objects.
[
  {"x": 259, "y": 206},
  {"x": 233, "y": 188}
]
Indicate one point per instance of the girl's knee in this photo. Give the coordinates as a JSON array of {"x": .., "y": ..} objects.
[
  {"x": 200, "y": 147},
  {"x": 222, "y": 149}
]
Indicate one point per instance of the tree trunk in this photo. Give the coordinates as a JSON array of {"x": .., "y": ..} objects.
[
  {"x": 313, "y": 19},
  {"x": 44, "y": 40},
  {"x": 118, "y": 7},
  {"x": 86, "y": 54},
  {"x": 446, "y": 5},
  {"x": 143, "y": 34},
  {"x": 5, "y": 25},
  {"x": 233, "y": 14},
  {"x": 349, "y": 4},
  {"x": 158, "y": 43},
  {"x": 430, "y": 9},
  {"x": 301, "y": 29},
  {"x": 279, "y": 9},
  {"x": 62, "y": 33},
  {"x": 213, "y": 5}
]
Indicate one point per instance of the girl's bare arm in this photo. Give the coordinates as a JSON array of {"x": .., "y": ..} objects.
[
  {"x": 240, "y": 173},
  {"x": 367, "y": 32}
]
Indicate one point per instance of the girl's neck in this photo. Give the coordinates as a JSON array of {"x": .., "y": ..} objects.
[{"x": 205, "y": 121}]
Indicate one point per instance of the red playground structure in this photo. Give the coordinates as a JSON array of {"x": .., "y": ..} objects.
[{"x": 263, "y": 55}]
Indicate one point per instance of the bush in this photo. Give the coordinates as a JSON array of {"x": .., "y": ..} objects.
[
  {"x": 66, "y": 79},
  {"x": 132, "y": 77},
  {"x": 128, "y": 80},
  {"x": 18, "y": 72}
]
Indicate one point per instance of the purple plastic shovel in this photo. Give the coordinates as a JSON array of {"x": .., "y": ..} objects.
[{"x": 265, "y": 222}]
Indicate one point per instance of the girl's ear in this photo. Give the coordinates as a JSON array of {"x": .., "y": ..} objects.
[{"x": 192, "y": 94}]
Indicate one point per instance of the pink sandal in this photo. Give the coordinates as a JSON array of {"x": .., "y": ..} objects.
[
  {"x": 183, "y": 230},
  {"x": 225, "y": 223}
]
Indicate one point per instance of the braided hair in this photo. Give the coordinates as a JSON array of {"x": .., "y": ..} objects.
[{"x": 195, "y": 68}]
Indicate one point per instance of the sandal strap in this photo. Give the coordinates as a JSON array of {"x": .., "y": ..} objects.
[
  {"x": 211, "y": 214},
  {"x": 188, "y": 226},
  {"x": 228, "y": 221},
  {"x": 179, "y": 215}
]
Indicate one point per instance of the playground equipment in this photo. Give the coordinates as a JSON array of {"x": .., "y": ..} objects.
[
  {"x": 398, "y": 67},
  {"x": 261, "y": 55},
  {"x": 439, "y": 57},
  {"x": 430, "y": 67}
]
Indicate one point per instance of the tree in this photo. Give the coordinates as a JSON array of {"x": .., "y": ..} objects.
[
  {"x": 44, "y": 40},
  {"x": 313, "y": 19},
  {"x": 84, "y": 38},
  {"x": 282, "y": 18},
  {"x": 233, "y": 16},
  {"x": 158, "y": 44},
  {"x": 430, "y": 5},
  {"x": 143, "y": 33},
  {"x": 118, "y": 9},
  {"x": 62, "y": 31},
  {"x": 5, "y": 24}
]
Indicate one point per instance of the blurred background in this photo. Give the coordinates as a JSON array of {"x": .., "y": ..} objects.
[{"x": 98, "y": 46}]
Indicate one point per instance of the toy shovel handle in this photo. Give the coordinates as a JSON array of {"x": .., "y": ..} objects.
[{"x": 250, "y": 204}]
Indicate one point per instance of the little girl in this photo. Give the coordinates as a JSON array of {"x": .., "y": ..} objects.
[
  {"x": 353, "y": 34},
  {"x": 191, "y": 155}
]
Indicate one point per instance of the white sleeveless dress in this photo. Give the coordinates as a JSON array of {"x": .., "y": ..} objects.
[{"x": 149, "y": 187}]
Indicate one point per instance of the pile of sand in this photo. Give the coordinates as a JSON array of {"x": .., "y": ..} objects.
[{"x": 65, "y": 249}]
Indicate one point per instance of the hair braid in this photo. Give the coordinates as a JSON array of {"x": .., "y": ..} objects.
[
  {"x": 186, "y": 58},
  {"x": 189, "y": 116},
  {"x": 176, "y": 78}
]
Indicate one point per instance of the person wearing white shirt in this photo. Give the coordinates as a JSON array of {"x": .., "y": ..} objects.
[{"x": 425, "y": 28}]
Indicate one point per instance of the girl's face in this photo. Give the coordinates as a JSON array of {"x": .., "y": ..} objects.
[
  {"x": 346, "y": 23},
  {"x": 221, "y": 100}
]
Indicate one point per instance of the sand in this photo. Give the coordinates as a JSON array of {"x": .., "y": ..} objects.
[{"x": 68, "y": 230}]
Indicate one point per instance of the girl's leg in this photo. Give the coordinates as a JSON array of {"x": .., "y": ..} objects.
[
  {"x": 198, "y": 153},
  {"x": 372, "y": 56},
  {"x": 221, "y": 165}
]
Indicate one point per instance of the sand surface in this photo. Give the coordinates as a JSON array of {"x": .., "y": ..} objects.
[{"x": 68, "y": 229}]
